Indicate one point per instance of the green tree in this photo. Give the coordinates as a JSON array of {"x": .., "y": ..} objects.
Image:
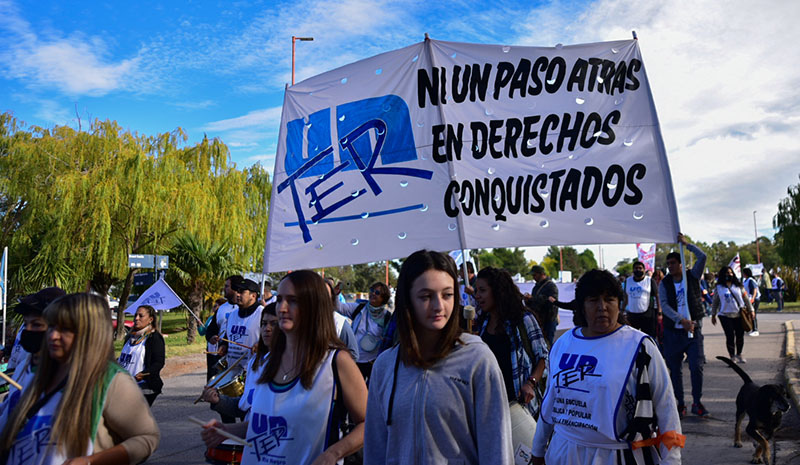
[
  {"x": 195, "y": 268},
  {"x": 513, "y": 261},
  {"x": 577, "y": 263},
  {"x": 787, "y": 222},
  {"x": 625, "y": 266}
]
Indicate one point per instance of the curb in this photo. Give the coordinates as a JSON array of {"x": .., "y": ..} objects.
[{"x": 790, "y": 373}]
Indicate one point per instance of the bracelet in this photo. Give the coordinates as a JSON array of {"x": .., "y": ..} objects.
[{"x": 532, "y": 380}]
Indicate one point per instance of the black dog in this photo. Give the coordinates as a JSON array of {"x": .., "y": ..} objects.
[{"x": 764, "y": 406}]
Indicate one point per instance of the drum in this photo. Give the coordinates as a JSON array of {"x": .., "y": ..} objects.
[
  {"x": 523, "y": 427},
  {"x": 232, "y": 384},
  {"x": 221, "y": 365},
  {"x": 227, "y": 453}
]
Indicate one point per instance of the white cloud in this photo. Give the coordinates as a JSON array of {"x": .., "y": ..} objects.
[
  {"x": 268, "y": 117},
  {"x": 73, "y": 65}
]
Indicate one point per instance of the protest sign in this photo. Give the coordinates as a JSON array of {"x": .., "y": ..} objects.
[
  {"x": 647, "y": 255},
  {"x": 445, "y": 145}
]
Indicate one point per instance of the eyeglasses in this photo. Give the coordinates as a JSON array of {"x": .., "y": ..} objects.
[{"x": 375, "y": 291}]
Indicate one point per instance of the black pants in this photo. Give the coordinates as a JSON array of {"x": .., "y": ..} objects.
[
  {"x": 644, "y": 322},
  {"x": 211, "y": 361},
  {"x": 150, "y": 398},
  {"x": 734, "y": 334},
  {"x": 755, "y": 318}
]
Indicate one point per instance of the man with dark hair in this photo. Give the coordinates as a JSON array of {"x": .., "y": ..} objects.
[
  {"x": 542, "y": 302},
  {"x": 640, "y": 296},
  {"x": 683, "y": 326},
  {"x": 224, "y": 310},
  {"x": 754, "y": 293}
]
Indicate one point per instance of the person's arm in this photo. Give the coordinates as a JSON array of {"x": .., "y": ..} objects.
[
  {"x": 666, "y": 308},
  {"x": 354, "y": 393},
  {"x": 653, "y": 297},
  {"x": 376, "y": 432},
  {"x": 346, "y": 308},
  {"x": 156, "y": 350},
  {"x": 492, "y": 419},
  {"x": 349, "y": 338},
  {"x": 700, "y": 264},
  {"x": 212, "y": 439},
  {"x": 127, "y": 417}
]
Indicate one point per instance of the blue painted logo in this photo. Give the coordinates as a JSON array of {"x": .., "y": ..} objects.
[
  {"x": 269, "y": 433},
  {"x": 573, "y": 369},
  {"x": 372, "y": 134}
]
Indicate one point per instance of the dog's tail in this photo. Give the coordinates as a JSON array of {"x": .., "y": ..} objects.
[{"x": 736, "y": 368}]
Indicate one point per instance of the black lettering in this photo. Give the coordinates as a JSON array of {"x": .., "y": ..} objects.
[
  {"x": 528, "y": 148},
  {"x": 637, "y": 171},
  {"x": 594, "y": 64},
  {"x": 483, "y": 195},
  {"x": 514, "y": 197},
  {"x": 569, "y": 132},
  {"x": 538, "y": 203},
  {"x": 438, "y": 143},
  {"x": 494, "y": 138},
  {"x": 513, "y": 131},
  {"x": 505, "y": 71},
  {"x": 556, "y": 177},
  {"x": 460, "y": 95},
  {"x": 570, "y": 191},
  {"x": 443, "y": 88},
  {"x": 555, "y": 74},
  {"x": 520, "y": 78},
  {"x": 619, "y": 79},
  {"x": 610, "y": 136},
  {"x": 455, "y": 141},
  {"x": 449, "y": 209},
  {"x": 607, "y": 74},
  {"x": 427, "y": 86},
  {"x": 498, "y": 199},
  {"x": 634, "y": 66},
  {"x": 539, "y": 65},
  {"x": 592, "y": 186},
  {"x": 525, "y": 190},
  {"x": 479, "y": 132},
  {"x": 578, "y": 75},
  {"x": 480, "y": 82},
  {"x": 611, "y": 196},
  {"x": 592, "y": 126},
  {"x": 550, "y": 121},
  {"x": 467, "y": 207}
]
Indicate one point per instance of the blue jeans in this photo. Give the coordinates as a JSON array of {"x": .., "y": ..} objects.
[
  {"x": 549, "y": 330},
  {"x": 677, "y": 343}
]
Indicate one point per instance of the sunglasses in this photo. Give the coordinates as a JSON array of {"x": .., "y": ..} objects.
[{"x": 375, "y": 291}]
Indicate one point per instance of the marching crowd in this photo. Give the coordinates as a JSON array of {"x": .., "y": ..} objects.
[{"x": 301, "y": 377}]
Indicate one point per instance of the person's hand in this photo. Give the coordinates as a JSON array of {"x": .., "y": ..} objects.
[
  {"x": 326, "y": 458},
  {"x": 688, "y": 325},
  {"x": 213, "y": 340},
  {"x": 210, "y": 435},
  {"x": 526, "y": 393},
  {"x": 551, "y": 299},
  {"x": 714, "y": 320},
  {"x": 469, "y": 290},
  {"x": 682, "y": 239},
  {"x": 210, "y": 395},
  {"x": 139, "y": 376},
  {"x": 526, "y": 295},
  {"x": 222, "y": 351},
  {"x": 537, "y": 460}
]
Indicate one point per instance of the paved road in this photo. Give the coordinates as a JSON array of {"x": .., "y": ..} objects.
[{"x": 709, "y": 441}]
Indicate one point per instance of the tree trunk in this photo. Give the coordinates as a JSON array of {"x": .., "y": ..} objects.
[
  {"x": 196, "y": 304},
  {"x": 123, "y": 300}
]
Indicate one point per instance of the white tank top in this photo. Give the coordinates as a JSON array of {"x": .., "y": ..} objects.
[
  {"x": 245, "y": 331},
  {"x": 587, "y": 383},
  {"x": 730, "y": 300},
  {"x": 132, "y": 356},
  {"x": 31, "y": 445},
  {"x": 288, "y": 424},
  {"x": 638, "y": 294}
]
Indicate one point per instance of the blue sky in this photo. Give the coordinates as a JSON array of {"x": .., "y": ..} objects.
[{"x": 724, "y": 78}]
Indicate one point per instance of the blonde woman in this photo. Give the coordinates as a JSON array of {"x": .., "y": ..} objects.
[{"x": 81, "y": 407}]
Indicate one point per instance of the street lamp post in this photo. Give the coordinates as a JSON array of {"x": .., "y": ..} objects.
[
  {"x": 758, "y": 254},
  {"x": 295, "y": 39}
]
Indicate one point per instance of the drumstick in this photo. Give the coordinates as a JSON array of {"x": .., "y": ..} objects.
[
  {"x": 221, "y": 432},
  {"x": 211, "y": 353},
  {"x": 145, "y": 374},
  {"x": 219, "y": 377},
  {"x": 235, "y": 343},
  {"x": 10, "y": 381}
]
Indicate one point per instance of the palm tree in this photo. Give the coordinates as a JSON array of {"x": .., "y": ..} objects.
[{"x": 197, "y": 265}]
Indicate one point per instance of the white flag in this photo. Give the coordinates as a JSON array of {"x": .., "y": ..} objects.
[
  {"x": 159, "y": 296},
  {"x": 736, "y": 264}
]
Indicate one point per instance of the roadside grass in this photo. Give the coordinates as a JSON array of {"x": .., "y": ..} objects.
[
  {"x": 173, "y": 328},
  {"x": 788, "y": 307}
]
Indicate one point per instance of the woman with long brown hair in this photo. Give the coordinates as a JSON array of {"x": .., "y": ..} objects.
[
  {"x": 81, "y": 406},
  {"x": 439, "y": 394},
  {"x": 304, "y": 388}
]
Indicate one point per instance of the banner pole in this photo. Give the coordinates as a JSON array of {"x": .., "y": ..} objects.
[
  {"x": 685, "y": 305},
  {"x": 4, "y": 294}
]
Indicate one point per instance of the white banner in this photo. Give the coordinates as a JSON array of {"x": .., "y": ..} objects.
[
  {"x": 159, "y": 296},
  {"x": 445, "y": 146},
  {"x": 647, "y": 255},
  {"x": 736, "y": 265}
]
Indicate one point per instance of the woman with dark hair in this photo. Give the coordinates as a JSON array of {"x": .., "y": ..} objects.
[
  {"x": 513, "y": 335},
  {"x": 729, "y": 297},
  {"x": 81, "y": 407},
  {"x": 609, "y": 399},
  {"x": 299, "y": 398},
  {"x": 370, "y": 321},
  {"x": 439, "y": 393},
  {"x": 143, "y": 353}
]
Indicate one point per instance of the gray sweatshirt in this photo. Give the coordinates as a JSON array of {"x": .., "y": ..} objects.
[{"x": 453, "y": 412}]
